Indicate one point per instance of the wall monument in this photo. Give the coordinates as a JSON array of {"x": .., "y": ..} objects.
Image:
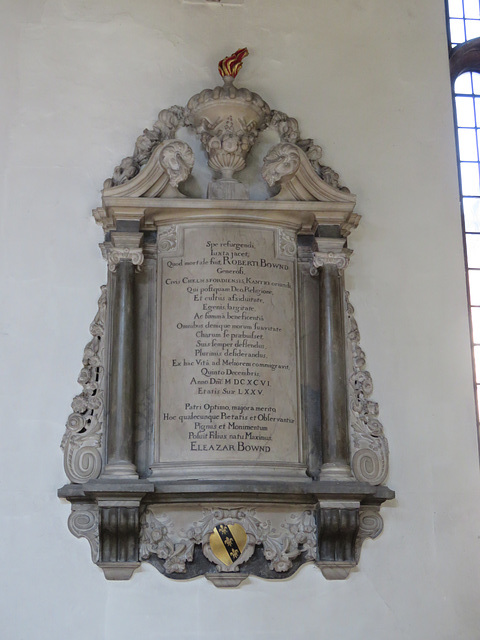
[{"x": 225, "y": 426}]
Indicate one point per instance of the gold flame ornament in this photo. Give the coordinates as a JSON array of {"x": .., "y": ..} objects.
[{"x": 231, "y": 65}]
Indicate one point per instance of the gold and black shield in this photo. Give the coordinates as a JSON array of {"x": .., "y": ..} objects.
[{"x": 227, "y": 542}]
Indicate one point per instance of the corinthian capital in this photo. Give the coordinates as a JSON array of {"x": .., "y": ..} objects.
[
  {"x": 331, "y": 251},
  {"x": 123, "y": 246}
]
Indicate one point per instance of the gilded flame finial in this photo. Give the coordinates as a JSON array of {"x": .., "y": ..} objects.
[{"x": 231, "y": 65}]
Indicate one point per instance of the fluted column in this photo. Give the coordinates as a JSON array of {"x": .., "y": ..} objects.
[
  {"x": 123, "y": 255},
  {"x": 330, "y": 259}
]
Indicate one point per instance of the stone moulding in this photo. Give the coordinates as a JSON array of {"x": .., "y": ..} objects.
[
  {"x": 82, "y": 441},
  {"x": 313, "y": 501}
]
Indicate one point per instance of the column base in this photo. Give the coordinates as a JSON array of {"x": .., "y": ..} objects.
[
  {"x": 335, "y": 471},
  {"x": 120, "y": 470}
]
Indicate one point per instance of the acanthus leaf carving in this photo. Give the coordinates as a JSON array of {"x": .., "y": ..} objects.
[
  {"x": 82, "y": 440},
  {"x": 297, "y": 536},
  {"x": 286, "y": 245},
  {"x": 167, "y": 240},
  {"x": 369, "y": 446},
  {"x": 158, "y": 537}
]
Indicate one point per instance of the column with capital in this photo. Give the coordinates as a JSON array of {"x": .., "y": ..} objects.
[
  {"x": 331, "y": 258},
  {"x": 124, "y": 254}
]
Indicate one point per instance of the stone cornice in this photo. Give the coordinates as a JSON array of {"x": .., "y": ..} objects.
[{"x": 303, "y": 217}]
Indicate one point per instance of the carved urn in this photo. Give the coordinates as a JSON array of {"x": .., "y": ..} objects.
[{"x": 227, "y": 120}]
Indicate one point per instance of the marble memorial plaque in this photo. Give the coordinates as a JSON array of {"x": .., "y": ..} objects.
[{"x": 228, "y": 374}]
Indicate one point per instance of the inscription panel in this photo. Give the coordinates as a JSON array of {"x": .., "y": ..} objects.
[{"x": 228, "y": 356}]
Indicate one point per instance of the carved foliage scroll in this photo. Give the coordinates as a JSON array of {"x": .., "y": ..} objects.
[
  {"x": 82, "y": 440},
  {"x": 160, "y": 537},
  {"x": 369, "y": 445}
]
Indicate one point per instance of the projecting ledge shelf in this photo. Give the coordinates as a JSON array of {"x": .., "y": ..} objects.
[{"x": 209, "y": 491}]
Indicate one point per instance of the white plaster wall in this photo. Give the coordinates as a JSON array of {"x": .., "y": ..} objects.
[{"x": 368, "y": 80}]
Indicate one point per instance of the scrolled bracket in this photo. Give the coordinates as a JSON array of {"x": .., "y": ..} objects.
[
  {"x": 338, "y": 525},
  {"x": 371, "y": 526},
  {"x": 83, "y": 523}
]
